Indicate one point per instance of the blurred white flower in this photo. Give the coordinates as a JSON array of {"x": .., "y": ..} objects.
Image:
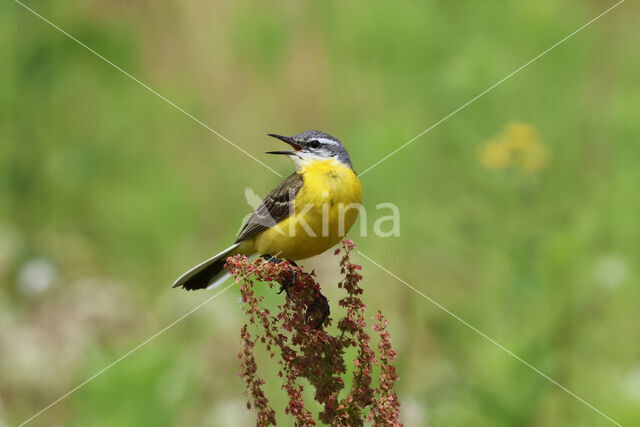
[
  {"x": 610, "y": 271},
  {"x": 230, "y": 413},
  {"x": 24, "y": 363},
  {"x": 413, "y": 413},
  {"x": 41, "y": 350},
  {"x": 36, "y": 276},
  {"x": 632, "y": 382}
]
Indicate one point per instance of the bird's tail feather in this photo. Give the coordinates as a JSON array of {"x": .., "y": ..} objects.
[{"x": 208, "y": 274}]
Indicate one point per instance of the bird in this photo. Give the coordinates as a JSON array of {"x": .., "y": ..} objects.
[{"x": 308, "y": 213}]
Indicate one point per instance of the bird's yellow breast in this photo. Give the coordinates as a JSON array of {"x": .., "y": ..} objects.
[{"x": 325, "y": 208}]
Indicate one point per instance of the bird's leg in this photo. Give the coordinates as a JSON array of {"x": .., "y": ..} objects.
[
  {"x": 289, "y": 280},
  {"x": 317, "y": 308},
  {"x": 271, "y": 258}
]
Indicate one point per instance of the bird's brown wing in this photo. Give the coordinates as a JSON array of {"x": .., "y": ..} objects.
[{"x": 273, "y": 209}]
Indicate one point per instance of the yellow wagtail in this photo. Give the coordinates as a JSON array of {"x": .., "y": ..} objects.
[{"x": 308, "y": 213}]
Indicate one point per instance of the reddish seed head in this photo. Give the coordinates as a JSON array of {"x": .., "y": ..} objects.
[{"x": 296, "y": 335}]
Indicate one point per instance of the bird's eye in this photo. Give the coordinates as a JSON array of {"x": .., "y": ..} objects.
[{"x": 314, "y": 144}]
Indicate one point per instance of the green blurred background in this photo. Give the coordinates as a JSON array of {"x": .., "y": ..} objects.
[{"x": 519, "y": 213}]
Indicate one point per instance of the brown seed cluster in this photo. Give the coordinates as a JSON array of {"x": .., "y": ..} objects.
[{"x": 298, "y": 338}]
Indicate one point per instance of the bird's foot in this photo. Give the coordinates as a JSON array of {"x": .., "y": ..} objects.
[
  {"x": 286, "y": 284},
  {"x": 317, "y": 309},
  {"x": 275, "y": 260},
  {"x": 289, "y": 281}
]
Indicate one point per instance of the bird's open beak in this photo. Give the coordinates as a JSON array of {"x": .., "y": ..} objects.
[{"x": 288, "y": 140}]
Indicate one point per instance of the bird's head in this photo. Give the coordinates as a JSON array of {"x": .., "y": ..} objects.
[{"x": 313, "y": 145}]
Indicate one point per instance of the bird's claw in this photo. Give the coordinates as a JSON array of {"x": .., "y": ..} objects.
[
  {"x": 288, "y": 282},
  {"x": 318, "y": 310}
]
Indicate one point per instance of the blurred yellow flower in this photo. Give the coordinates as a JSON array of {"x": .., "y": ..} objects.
[
  {"x": 495, "y": 155},
  {"x": 516, "y": 147},
  {"x": 536, "y": 159}
]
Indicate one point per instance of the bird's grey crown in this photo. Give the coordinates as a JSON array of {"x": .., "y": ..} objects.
[
  {"x": 309, "y": 135},
  {"x": 330, "y": 144}
]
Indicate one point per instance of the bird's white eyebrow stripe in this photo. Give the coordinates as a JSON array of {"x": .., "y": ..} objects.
[{"x": 326, "y": 141}]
